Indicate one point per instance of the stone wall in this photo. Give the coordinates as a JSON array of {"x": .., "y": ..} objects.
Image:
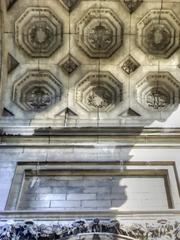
[{"x": 90, "y": 86}]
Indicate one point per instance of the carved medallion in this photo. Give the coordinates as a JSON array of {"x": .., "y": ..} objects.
[
  {"x": 100, "y": 37},
  {"x": 99, "y": 33},
  {"x": 38, "y": 32},
  {"x": 158, "y": 91},
  {"x": 157, "y": 99},
  {"x": 132, "y": 5},
  {"x": 157, "y": 38},
  {"x": 99, "y": 97},
  {"x": 40, "y": 35},
  {"x": 158, "y": 33},
  {"x": 36, "y": 91},
  {"x": 38, "y": 98},
  {"x": 69, "y": 64},
  {"x": 130, "y": 65},
  {"x": 98, "y": 92}
]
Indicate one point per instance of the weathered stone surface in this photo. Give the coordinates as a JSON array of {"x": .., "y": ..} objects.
[
  {"x": 132, "y": 5},
  {"x": 100, "y": 33},
  {"x": 99, "y": 92},
  {"x": 94, "y": 229},
  {"x": 65, "y": 204},
  {"x": 158, "y": 91},
  {"x": 158, "y": 33},
  {"x": 36, "y": 91},
  {"x": 38, "y": 32},
  {"x": 137, "y": 44}
]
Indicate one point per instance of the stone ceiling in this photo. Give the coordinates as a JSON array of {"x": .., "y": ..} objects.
[{"x": 113, "y": 62}]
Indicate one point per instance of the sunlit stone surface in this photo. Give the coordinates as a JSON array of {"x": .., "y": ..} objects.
[{"x": 89, "y": 120}]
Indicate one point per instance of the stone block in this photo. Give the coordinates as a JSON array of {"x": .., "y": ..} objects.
[
  {"x": 81, "y": 196},
  {"x": 34, "y": 204},
  {"x": 96, "y": 204},
  {"x": 65, "y": 204},
  {"x": 97, "y": 190},
  {"x": 48, "y": 197}
]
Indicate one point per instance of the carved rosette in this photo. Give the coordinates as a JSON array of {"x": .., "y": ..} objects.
[
  {"x": 36, "y": 91},
  {"x": 100, "y": 33},
  {"x": 98, "y": 92},
  {"x": 38, "y": 32},
  {"x": 158, "y": 33},
  {"x": 158, "y": 91}
]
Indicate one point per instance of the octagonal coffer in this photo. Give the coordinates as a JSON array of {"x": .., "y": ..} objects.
[
  {"x": 158, "y": 33},
  {"x": 100, "y": 33},
  {"x": 38, "y": 32},
  {"x": 158, "y": 91},
  {"x": 36, "y": 91},
  {"x": 98, "y": 92}
]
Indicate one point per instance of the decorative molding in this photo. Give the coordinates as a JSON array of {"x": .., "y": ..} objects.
[
  {"x": 158, "y": 91},
  {"x": 158, "y": 33},
  {"x": 69, "y": 4},
  {"x": 94, "y": 230},
  {"x": 69, "y": 64},
  {"x": 12, "y": 63},
  {"x": 100, "y": 33},
  {"x": 130, "y": 65},
  {"x": 67, "y": 112},
  {"x": 36, "y": 91},
  {"x": 132, "y": 5},
  {"x": 98, "y": 92},
  {"x": 130, "y": 113},
  {"x": 38, "y": 32}
]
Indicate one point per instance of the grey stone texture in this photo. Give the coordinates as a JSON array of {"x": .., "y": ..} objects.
[
  {"x": 115, "y": 49},
  {"x": 92, "y": 192},
  {"x": 88, "y": 84}
]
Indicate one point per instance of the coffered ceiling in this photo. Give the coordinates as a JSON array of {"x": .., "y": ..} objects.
[{"x": 85, "y": 62}]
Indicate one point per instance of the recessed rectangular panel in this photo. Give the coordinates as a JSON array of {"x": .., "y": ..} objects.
[{"x": 94, "y": 192}]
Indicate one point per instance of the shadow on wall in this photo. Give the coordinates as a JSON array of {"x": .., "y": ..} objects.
[{"x": 34, "y": 96}]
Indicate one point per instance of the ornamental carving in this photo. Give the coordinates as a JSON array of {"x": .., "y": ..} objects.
[
  {"x": 158, "y": 33},
  {"x": 130, "y": 65},
  {"x": 132, "y": 5},
  {"x": 99, "y": 98},
  {"x": 99, "y": 33},
  {"x": 36, "y": 91},
  {"x": 157, "y": 98},
  {"x": 69, "y": 4},
  {"x": 98, "y": 92},
  {"x": 38, "y": 98},
  {"x": 69, "y": 64},
  {"x": 93, "y": 230},
  {"x": 158, "y": 91},
  {"x": 38, "y": 32}
]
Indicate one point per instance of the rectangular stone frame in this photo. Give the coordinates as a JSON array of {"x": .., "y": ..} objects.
[{"x": 163, "y": 169}]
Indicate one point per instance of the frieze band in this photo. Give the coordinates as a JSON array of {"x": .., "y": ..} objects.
[{"x": 95, "y": 229}]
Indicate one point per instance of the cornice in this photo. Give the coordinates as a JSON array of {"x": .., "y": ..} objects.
[{"x": 88, "y": 137}]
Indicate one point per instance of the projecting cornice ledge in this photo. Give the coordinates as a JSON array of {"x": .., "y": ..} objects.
[
  {"x": 48, "y": 137},
  {"x": 105, "y": 131}
]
